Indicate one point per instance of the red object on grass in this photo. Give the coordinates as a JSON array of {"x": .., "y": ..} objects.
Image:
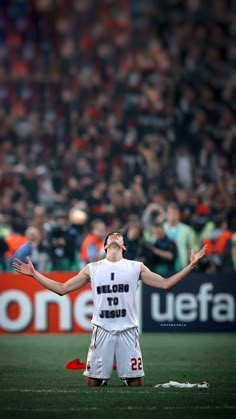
[{"x": 76, "y": 364}]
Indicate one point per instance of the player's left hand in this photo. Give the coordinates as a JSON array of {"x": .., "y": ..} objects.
[{"x": 195, "y": 257}]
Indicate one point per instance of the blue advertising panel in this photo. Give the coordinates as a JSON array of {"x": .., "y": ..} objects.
[{"x": 200, "y": 303}]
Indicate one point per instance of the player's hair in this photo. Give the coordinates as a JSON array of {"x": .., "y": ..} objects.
[{"x": 124, "y": 240}]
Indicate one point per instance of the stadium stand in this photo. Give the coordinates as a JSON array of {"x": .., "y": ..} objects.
[{"x": 109, "y": 106}]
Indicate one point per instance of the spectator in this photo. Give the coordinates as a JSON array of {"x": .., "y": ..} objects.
[
  {"x": 179, "y": 232},
  {"x": 184, "y": 167},
  {"x": 133, "y": 240},
  {"x": 4, "y": 228},
  {"x": 161, "y": 255},
  {"x": 201, "y": 223},
  {"x": 82, "y": 112},
  {"x": 60, "y": 243},
  {"x": 14, "y": 241},
  {"x": 92, "y": 247},
  {"x": 154, "y": 212},
  {"x": 234, "y": 250},
  {"x": 3, "y": 250},
  {"x": 220, "y": 248},
  {"x": 34, "y": 248}
]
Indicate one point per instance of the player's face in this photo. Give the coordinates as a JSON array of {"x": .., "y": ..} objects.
[{"x": 115, "y": 238}]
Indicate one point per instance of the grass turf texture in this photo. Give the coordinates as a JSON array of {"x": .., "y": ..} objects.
[{"x": 34, "y": 383}]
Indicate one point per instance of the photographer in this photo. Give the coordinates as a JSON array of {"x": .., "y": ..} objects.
[
  {"x": 153, "y": 213},
  {"x": 61, "y": 243}
]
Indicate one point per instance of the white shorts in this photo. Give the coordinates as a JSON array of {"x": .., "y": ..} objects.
[{"x": 120, "y": 347}]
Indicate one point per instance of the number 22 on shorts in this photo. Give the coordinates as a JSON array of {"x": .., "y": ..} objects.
[{"x": 136, "y": 364}]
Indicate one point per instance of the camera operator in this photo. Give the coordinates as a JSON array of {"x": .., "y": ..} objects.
[{"x": 60, "y": 243}]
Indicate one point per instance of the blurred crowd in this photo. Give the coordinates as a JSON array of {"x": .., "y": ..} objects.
[{"x": 118, "y": 116}]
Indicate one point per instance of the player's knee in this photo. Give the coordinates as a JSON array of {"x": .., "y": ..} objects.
[
  {"x": 135, "y": 382},
  {"x": 92, "y": 382}
]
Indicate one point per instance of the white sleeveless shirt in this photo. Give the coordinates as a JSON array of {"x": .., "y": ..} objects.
[{"x": 114, "y": 286}]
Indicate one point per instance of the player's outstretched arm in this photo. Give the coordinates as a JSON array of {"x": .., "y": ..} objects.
[
  {"x": 72, "y": 284},
  {"x": 157, "y": 281}
]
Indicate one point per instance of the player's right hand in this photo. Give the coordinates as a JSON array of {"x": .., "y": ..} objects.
[{"x": 24, "y": 268}]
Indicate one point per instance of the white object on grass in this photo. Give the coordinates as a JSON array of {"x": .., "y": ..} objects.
[{"x": 176, "y": 384}]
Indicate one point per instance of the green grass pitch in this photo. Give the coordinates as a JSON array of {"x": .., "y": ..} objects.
[{"x": 35, "y": 384}]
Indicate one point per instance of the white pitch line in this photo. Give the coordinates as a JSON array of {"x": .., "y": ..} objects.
[
  {"x": 43, "y": 409},
  {"x": 151, "y": 408},
  {"x": 29, "y": 390},
  {"x": 107, "y": 390}
]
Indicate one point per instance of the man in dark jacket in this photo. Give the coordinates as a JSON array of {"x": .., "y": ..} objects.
[{"x": 162, "y": 253}]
